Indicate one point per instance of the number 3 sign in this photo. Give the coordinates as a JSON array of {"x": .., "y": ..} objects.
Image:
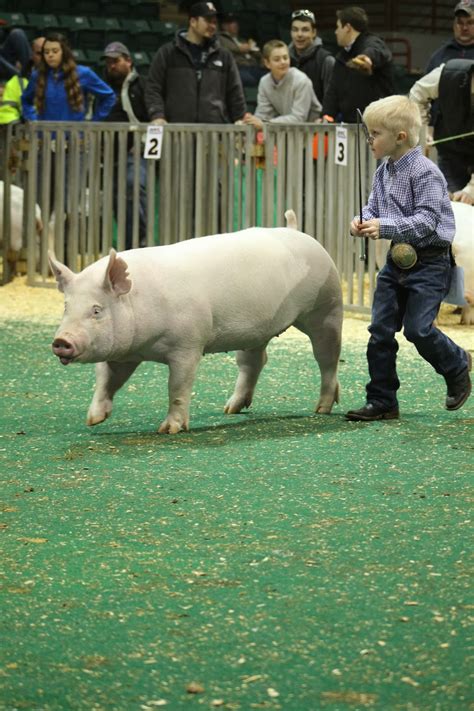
[
  {"x": 154, "y": 139},
  {"x": 340, "y": 155}
]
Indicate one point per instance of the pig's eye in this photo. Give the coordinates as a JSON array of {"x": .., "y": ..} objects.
[{"x": 96, "y": 310}]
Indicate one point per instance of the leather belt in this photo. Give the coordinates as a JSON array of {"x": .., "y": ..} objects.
[{"x": 406, "y": 256}]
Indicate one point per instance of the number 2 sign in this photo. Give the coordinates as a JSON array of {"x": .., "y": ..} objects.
[
  {"x": 154, "y": 140},
  {"x": 340, "y": 155}
]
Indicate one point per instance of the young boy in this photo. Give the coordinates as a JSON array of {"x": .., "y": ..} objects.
[
  {"x": 408, "y": 205},
  {"x": 285, "y": 95}
]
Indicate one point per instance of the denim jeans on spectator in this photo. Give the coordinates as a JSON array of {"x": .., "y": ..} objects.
[
  {"x": 14, "y": 48},
  {"x": 410, "y": 299},
  {"x": 129, "y": 204}
]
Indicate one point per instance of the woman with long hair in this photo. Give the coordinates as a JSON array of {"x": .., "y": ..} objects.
[{"x": 59, "y": 88}]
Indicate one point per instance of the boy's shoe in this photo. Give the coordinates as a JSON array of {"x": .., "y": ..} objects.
[
  {"x": 371, "y": 412},
  {"x": 459, "y": 389}
]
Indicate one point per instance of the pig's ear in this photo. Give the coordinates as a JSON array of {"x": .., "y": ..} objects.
[
  {"x": 62, "y": 273},
  {"x": 116, "y": 275}
]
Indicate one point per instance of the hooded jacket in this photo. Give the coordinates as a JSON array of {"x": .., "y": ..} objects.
[
  {"x": 350, "y": 89},
  {"x": 56, "y": 105},
  {"x": 317, "y": 63},
  {"x": 180, "y": 92}
]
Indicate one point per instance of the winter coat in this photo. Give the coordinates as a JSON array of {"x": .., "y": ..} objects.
[
  {"x": 180, "y": 92},
  {"x": 350, "y": 89},
  {"x": 317, "y": 64}
]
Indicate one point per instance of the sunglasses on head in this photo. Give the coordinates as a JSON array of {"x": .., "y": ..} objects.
[{"x": 305, "y": 14}]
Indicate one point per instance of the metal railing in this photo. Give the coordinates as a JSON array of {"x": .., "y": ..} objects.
[{"x": 210, "y": 179}]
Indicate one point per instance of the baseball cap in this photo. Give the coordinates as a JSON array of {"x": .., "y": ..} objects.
[
  {"x": 202, "y": 9},
  {"x": 466, "y": 6},
  {"x": 116, "y": 49},
  {"x": 229, "y": 17}
]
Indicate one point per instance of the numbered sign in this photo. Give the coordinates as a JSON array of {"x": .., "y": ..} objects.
[
  {"x": 154, "y": 140},
  {"x": 340, "y": 156}
]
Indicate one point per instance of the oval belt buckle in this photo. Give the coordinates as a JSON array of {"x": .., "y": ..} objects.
[{"x": 404, "y": 255}]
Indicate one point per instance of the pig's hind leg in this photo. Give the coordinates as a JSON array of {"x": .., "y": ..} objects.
[
  {"x": 109, "y": 377},
  {"x": 250, "y": 366},
  {"x": 324, "y": 331}
]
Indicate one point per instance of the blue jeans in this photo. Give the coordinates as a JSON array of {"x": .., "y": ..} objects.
[
  {"x": 15, "y": 48},
  {"x": 129, "y": 206},
  {"x": 410, "y": 299}
]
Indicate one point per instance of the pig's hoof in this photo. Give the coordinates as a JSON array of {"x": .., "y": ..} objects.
[
  {"x": 95, "y": 417},
  {"x": 171, "y": 426},
  {"x": 236, "y": 404}
]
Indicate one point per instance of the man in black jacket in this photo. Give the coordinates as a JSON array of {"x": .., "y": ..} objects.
[
  {"x": 130, "y": 108},
  {"x": 307, "y": 52},
  {"x": 193, "y": 79},
  {"x": 363, "y": 69}
]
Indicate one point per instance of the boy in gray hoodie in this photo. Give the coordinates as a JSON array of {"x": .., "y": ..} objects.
[{"x": 286, "y": 94}]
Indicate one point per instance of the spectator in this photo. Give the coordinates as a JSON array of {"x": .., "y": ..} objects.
[
  {"x": 37, "y": 48},
  {"x": 15, "y": 54},
  {"x": 452, "y": 84},
  {"x": 363, "y": 69},
  {"x": 307, "y": 52},
  {"x": 245, "y": 52},
  {"x": 130, "y": 107},
  {"x": 285, "y": 95},
  {"x": 58, "y": 88},
  {"x": 58, "y": 91},
  {"x": 192, "y": 79},
  {"x": 10, "y": 103},
  {"x": 408, "y": 205},
  {"x": 461, "y": 45}
]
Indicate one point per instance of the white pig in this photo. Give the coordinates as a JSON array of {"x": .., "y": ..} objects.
[
  {"x": 16, "y": 218},
  {"x": 175, "y": 303},
  {"x": 463, "y": 248}
]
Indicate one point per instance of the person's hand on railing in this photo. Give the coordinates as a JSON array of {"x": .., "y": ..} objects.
[
  {"x": 159, "y": 121},
  {"x": 325, "y": 119},
  {"x": 251, "y": 120}
]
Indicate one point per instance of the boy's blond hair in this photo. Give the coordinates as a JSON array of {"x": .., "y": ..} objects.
[
  {"x": 268, "y": 47},
  {"x": 395, "y": 113}
]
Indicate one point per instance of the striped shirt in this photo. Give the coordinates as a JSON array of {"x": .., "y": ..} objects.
[{"x": 410, "y": 197}]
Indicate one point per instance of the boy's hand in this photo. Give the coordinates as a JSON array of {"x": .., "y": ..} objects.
[
  {"x": 252, "y": 120},
  {"x": 369, "y": 228},
  {"x": 355, "y": 225}
]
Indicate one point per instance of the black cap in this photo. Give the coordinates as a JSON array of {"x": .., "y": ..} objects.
[
  {"x": 229, "y": 17},
  {"x": 202, "y": 9}
]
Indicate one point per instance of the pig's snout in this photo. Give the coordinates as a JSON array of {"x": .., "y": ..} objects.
[{"x": 64, "y": 350}]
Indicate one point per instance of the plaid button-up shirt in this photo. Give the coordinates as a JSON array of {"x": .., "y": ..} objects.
[{"x": 411, "y": 199}]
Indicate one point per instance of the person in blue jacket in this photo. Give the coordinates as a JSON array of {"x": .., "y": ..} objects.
[{"x": 59, "y": 88}]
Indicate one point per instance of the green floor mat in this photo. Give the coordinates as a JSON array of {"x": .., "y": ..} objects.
[{"x": 271, "y": 560}]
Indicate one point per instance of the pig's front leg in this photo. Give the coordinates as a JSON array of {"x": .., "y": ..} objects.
[
  {"x": 182, "y": 367},
  {"x": 250, "y": 365},
  {"x": 109, "y": 377}
]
